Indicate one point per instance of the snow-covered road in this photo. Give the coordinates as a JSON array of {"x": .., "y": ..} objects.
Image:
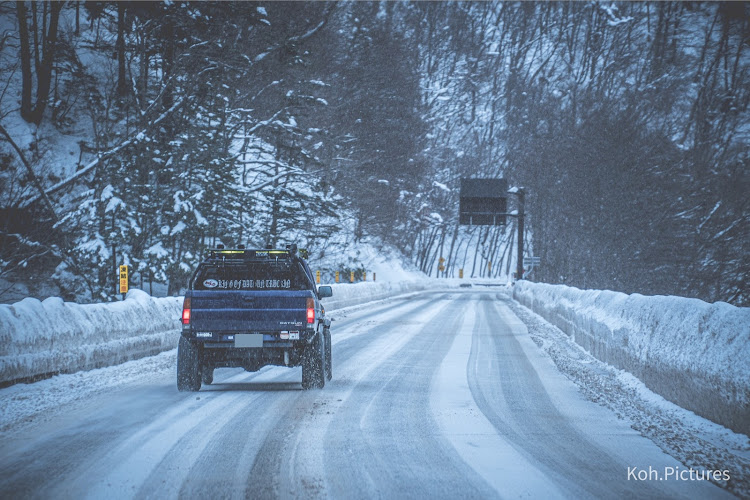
[{"x": 435, "y": 395}]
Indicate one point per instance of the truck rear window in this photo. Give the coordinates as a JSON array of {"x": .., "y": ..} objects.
[{"x": 250, "y": 276}]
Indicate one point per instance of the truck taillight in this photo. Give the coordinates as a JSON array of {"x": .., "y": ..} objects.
[
  {"x": 186, "y": 311},
  {"x": 310, "y": 311}
]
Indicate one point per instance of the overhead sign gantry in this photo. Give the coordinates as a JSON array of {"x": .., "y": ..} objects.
[{"x": 484, "y": 202}]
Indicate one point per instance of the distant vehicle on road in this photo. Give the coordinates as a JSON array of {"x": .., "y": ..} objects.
[{"x": 251, "y": 308}]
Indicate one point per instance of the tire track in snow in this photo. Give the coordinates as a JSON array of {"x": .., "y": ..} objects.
[
  {"x": 123, "y": 469},
  {"x": 292, "y": 460},
  {"x": 518, "y": 406},
  {"x": 384, "y": 435},
  {"x": 468, "y": 430}
]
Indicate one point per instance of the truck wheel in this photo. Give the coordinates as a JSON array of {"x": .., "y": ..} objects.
[
  {"x": 207, "y": 375},
  {"x": 313, "y": 364},
  {"x": 188, "y": 366},
  {"x": 329, "y": 361}
]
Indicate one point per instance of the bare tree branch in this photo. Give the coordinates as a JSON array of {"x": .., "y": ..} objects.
[{"x": 32, "y": 175}]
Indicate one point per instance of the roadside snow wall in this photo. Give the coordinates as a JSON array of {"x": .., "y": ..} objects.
[
  {"x": 40, "y": 338},
  {"x": 693, "y": 353},
  {"x": 345, "y": 295}
]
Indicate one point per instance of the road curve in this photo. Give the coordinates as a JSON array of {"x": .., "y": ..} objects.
[{"x": 436, "y": 395}]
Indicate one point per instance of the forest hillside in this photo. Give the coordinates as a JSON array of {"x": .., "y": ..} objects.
[{"x": 146, "y": 132}]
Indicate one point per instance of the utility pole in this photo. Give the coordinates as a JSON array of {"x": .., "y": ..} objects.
[{"x": 521, "y": 200}]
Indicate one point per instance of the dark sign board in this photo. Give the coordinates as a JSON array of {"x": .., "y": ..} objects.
[{"x": 483, "y": 202}]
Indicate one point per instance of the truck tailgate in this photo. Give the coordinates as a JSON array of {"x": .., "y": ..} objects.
[{"x": 235, "y": 311}]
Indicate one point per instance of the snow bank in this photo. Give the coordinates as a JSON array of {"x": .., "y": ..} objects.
[
  {"x": 39, "y": 338},
  {"x": 693, "y": 353},
  {"x": 345, "y": 295}
]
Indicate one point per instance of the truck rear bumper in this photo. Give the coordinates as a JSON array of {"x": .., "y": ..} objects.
[
  {"x": 251, "y": 351},
  {"x": 266, "y": 345},
  {"x": 249, "y": 339}
]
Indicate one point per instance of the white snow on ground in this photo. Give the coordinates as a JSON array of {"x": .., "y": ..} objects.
[
  {"x": 359, "y": 369},
  {"x": 22, "y": 403},
  {"x": 475, "y": 438},
  {"x": 693, "y": 440},
  {"x": 691, "y": 352}
]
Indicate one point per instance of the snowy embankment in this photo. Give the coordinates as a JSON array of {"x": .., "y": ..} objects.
[
  {"x": 345, "y": 295},
  {"x": 39, "y": 338},
  {"x": 693, "y": 353},
  {"x": 51, "y": 336}
]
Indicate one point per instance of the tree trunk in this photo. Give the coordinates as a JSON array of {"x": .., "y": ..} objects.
[
  {"x": 26, "y": 76},
  {"x": 168, "y": 62},
  {"x": 275, "y": 204},
  {"x": 122, "y": 88},
  {"x": 33, "y": 112}
]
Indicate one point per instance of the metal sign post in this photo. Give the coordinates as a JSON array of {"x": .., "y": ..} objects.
[{"x": 521, "y": 200}]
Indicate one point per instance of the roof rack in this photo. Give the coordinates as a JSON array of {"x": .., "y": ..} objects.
[{"x": 241, "y": 253}]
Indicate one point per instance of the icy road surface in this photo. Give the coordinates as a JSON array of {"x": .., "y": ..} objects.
[{"x": 436, "y": 395}]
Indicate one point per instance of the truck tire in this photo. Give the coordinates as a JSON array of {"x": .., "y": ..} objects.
[
  {"x": 313, "y": 364},
  {"x": 188, "y": 366},
  {"x": 207, "y": 375},
  {"x": 329, "y": 361}
]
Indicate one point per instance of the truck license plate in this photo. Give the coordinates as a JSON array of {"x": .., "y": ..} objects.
[{"x": 248, "y": 340}]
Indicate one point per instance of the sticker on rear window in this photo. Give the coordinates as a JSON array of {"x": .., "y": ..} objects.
[{"x": 247, "y": 284}]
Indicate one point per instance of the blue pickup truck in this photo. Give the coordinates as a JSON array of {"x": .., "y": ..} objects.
[{"x": 252, "y": 308}]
